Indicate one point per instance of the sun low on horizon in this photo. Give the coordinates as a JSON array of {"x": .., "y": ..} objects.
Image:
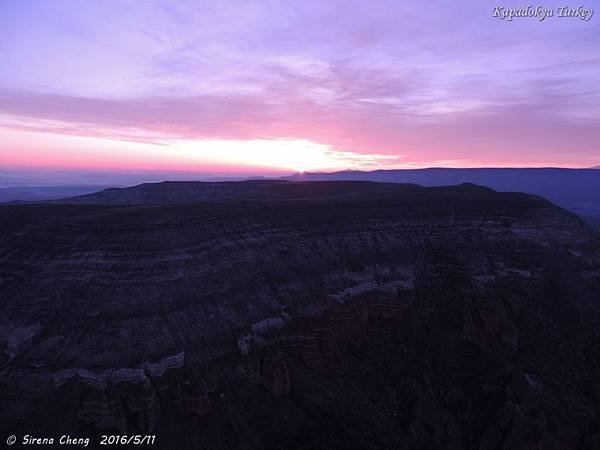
[
  {"x": 300, "y": 224},
  {"x": 276, "y": 87}
]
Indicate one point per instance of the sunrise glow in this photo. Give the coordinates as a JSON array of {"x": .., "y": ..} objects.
[{"x": 260, "y": 88}]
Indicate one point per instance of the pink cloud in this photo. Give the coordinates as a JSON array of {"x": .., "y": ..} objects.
[{"x": 390, "y": 78}]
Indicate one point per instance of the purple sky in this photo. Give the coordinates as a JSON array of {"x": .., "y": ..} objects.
[{"x": 256, "y": 87}]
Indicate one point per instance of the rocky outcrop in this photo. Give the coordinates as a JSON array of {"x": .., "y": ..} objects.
[
  {"x": 108, "y": 397},
  {"x": 446, "y": 318}
]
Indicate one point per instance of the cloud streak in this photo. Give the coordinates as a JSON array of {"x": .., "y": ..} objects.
[{"x": 399, "y": 81}]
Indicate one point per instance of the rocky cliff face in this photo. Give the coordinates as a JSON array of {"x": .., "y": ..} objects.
[{"x": 419, "y": 318}]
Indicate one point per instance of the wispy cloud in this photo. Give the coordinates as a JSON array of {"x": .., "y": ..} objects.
[{"x": 379, "y": 83}]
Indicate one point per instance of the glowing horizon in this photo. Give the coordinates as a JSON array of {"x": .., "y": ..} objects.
[{"x": 248, "y": 87}]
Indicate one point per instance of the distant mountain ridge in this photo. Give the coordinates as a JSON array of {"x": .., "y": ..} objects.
[
  {"x": 577, "y": 190},
  {"x": 178, "y": 192},
  {"x": 273, "y": 192},
  {"x": 42, "y": 193}
]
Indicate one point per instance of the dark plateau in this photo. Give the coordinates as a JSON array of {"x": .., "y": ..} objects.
[{"x": 313, "y": 315}]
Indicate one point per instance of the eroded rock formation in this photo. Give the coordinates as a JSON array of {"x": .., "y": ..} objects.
[{"x": 454, "y": 318}]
